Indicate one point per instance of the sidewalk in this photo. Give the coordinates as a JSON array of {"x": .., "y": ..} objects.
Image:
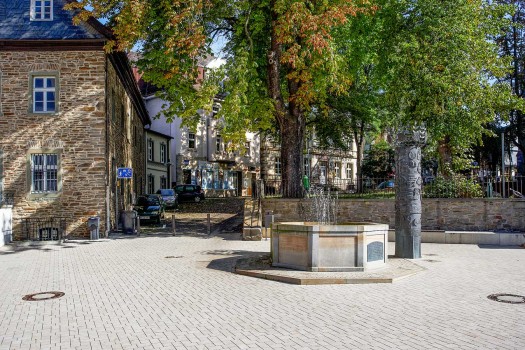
[{"x": 165, "y": 292}]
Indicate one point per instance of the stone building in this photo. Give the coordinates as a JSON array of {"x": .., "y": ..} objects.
[{"x": 71, "y": 114}]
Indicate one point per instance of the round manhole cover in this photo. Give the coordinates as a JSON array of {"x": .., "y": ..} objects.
[
  {"x": 507, "y": 298},
  {"x": 43, "y": 296}
]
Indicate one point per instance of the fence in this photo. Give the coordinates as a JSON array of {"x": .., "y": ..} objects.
[
  {"x": 432, "y": 187},
  {"x": 43, "y": 229}
]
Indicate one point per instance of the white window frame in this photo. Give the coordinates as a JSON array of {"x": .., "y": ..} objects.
[
  {"x": 349, "y": 171},
  {"x": 191, "y": 139},
  {"x": 41, "y": 16},
  {"x": 278, "y": 166},
  {"x": 151, "y": 149},
  {"x": 47, "y": 171},
  {"x": 163, "y": 182},
  {"x": 248, "y": 148},
  {"x": 151, "y": 184},
  {"x": 163, "y": 158},
  {"x": 44, "y": 90},
  {"x": 306, "y": 166}
]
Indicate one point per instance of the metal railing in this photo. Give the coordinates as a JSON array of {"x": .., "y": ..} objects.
[
  {"x": 43, "y": 229},
  {"x": 432, "y": 187}
]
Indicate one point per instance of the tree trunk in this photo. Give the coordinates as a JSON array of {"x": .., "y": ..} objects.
[
  {"x": 292, "y": 137},
  {"x": 408, "y": 193},
  {"x": 289, "y": 116},
  {"x": 445, "y": 157},
  {"x": 359, "y": 138}
]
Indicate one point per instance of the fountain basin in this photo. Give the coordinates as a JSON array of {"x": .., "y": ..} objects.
[{"x": 308, "y": 246}]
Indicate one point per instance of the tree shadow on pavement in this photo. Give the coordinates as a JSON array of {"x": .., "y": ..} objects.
[{"x": 231, "y": 259}]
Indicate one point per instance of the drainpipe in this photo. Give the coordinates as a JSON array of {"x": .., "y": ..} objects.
[{"x": 108, "y": 165}]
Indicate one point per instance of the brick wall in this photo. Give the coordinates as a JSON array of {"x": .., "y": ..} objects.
[{"x": 438, "y": 214}]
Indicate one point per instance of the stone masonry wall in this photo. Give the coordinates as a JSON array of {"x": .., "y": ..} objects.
[
  {"x": 76, "y": 132},
  {"x": 126, "y": 146},
  {"x": 438, "y": 214}
]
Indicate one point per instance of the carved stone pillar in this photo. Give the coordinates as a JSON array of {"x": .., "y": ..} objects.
[{"x": 408, "y": 192}]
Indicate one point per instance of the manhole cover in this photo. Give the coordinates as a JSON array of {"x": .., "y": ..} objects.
[
  {"x": 507, "y": 298},
  {"x": 432, "y": 260},
  {"x": 43, "y": 296},
  {"x": 173, "y": 257}
]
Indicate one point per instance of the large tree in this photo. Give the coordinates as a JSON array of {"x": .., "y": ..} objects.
[
  {"x": 512, "y": 44},
  {"x": 439, "y": 66},
  {"x": 281, "y": 54}
]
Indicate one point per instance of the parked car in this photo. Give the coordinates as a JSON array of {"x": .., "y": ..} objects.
[
  {"x": 187, "y": 193},
  {"x": 169, "y": 196},
  {"x": 385, "y": 185},
  {"x": 150, "y": 207}
]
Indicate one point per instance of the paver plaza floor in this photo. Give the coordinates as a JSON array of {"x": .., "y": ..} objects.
[{"x": 125, "y": 294}]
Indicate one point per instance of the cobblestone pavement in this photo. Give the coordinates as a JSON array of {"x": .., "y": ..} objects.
[{"x": 165, "y": 292}]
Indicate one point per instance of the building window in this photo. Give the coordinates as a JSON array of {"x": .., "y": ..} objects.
[
  {"x": 163, "y": 182},
  {"x": 150, "y": 150},
  {"x": 191, "y": 140},
  {"x": 277, "y": 166},
  {"x": 44, "y": 94},
  {"x": 163, "y": 154},
  {"x": 337, "y": 169},
  {"x": 122, "y": 116},
  {"x": 113, "y": 108},
  {"x": 349, "y": 171},
  {"x": 218, "y": 144},
  {"x": 247, "y": 148},
  {"x": 306, "y": 168},
  {"x": 41, "y": 10},
  {"x": 151, "y": 183},
  {"x": 44, "y": 173}
]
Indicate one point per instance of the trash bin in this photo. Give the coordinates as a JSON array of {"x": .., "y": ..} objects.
[
  {"x": 127, "y": 218},
  {"x": 94, "y": 227}
]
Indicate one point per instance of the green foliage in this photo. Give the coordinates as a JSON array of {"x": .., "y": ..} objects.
[
  {"x": 457, "y": 186},
  {"x": 440, "y": 66},
  {"x": 379, "y": 161}
]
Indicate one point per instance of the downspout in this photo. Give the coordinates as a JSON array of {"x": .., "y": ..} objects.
[{"x": 108, "y": 165}]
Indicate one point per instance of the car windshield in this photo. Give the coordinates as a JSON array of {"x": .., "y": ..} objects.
[
  {"x": 167, "y": 192},
  {"x": 145, "y": 201}
]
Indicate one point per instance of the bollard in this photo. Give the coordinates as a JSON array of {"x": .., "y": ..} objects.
[
  {"x": 173, "y": 224},
  {"x": 209, "y": 225},
  {"x": 138, "y": 225},
  {"x": 268, "y": 221}
]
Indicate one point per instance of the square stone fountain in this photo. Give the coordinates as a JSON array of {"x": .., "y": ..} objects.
[
  {"x": 323, "y": 244},
  {"x": 310, "y": 246}
]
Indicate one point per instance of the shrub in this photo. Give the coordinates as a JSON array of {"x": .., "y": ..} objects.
[{"x": 458, "y": 186}]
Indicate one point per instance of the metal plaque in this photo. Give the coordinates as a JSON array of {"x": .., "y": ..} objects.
[{"x": 375, "y": 251}]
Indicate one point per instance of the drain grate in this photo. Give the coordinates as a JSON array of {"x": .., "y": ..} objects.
[
  {"x": 507, "y": 298},
  {"x": 173, "y": 257},
  {"x": 43, "y": 296}
]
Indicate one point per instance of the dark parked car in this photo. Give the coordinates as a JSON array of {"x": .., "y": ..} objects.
[
  {"x": 189, "y": 193},
  {"x": 150, "y": 207},
  {"x": 169, "y": 196}
]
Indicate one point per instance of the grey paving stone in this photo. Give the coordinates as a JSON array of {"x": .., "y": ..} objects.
[{"x": 124, "y": 294}]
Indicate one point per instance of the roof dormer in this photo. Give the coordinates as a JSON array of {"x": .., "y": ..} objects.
[{"x": 41, "y": 10}]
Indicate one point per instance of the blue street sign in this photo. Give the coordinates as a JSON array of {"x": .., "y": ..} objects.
[{"x": 124, "y": 173}]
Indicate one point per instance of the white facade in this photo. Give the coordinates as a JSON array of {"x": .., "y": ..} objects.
[{"x": 201, "y": 156}]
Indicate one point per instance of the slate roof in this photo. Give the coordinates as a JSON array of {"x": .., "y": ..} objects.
[{"x": 15, "y": 23}]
